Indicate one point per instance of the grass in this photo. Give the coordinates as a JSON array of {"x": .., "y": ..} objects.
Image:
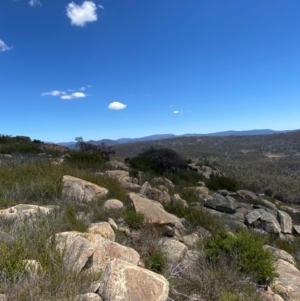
[
  {"x": 41, "y": 183},
  {"x": 31, "y": 242}
]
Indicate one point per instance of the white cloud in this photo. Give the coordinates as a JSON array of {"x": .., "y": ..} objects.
[
  {"x": 35, "y": 3},
  {"x": 78, "y": 95},
  {"x": 177, "y": 112},
  {"x": 4, "y": 47},
  {"x": 81, "y": 14},
  {"x": 54, "y": 93},
  {"x": 82, "y": 88},
  {"x": 117, "y": 106},
  {"x": 64, "y": 95}
]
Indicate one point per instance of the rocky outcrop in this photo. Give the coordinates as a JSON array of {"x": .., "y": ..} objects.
[
  {"x": 23, "y": 211},
  {"x": 91, "y": 251},
  {"x": 288, "y": 282},
  {"x": 248, "y": 195},
  {"x": 285, "y": 222},
  {"x": 270, "y": 223},
  {"x": 173, "y": 249},
  {"x": 113, "y": 204},
  {"x": 124, "y": 179},
  {"x": 122, "y": 281},
  {"x": 177, "y": 200},
  {"x": 278, "y": 253},
  {"x": 81, "y": 190},
  {"x": 104, "y": 229},
  {"x": 155, "y": 194},
  {"x": 222, "y": 205},
  {"x": 116, "y": 165},
  {"x": 153, "y": 211}
]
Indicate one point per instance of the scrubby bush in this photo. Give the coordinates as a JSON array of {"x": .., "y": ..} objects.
[
  {"x": 246, "y": 251},
  {"x": 196, "y": 216},
  {"x": 158, "y": 160},
  {"x": 133, "y": 219},
  {"x": 216, "y": 182},
  {"x": 84, "y": 160},
  {"x": 156, "y": 261},
  {"x": 104, "y": 151}
]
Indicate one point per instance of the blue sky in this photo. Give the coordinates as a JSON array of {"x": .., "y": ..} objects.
[{"x": 132, "y": 68}]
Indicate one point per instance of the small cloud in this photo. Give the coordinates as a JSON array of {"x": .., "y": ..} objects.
[
  {"x": 82, "y": 89},
  {"x": 81, "y": 14},
  {"x": 4, "y": 47},
  {"x": 101, "y": 6},
  {"x": 177, "y": 112},
  {"x": 54, "y": 93},
  {"x": 64, "y": 95},
  {"x": 35, "y": 3},
  {"x": 78, "y": 95},
  {"x": 117, "y": 106}
]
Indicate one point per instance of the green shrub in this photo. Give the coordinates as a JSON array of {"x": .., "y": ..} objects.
[
  {"x": 216, "y": 182},
  {"x": 246, "y": 251},
  {"x": 196, "y": 217},
  {"x": 158, "y": 160},
  {"x": 156, "y": 261},
  {"x": 184, "y": 178},
  {"x": 133, "y": 219},
  {"x": 84, "y": 160}
]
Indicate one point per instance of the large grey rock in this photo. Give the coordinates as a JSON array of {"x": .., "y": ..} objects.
[
  {"x": 285, "y": 221},
  {"x": 153, "y": 211},
  {"x": 23, "y": 211},
  {"x": 116, "y": 165},
  {"x": 246, "y": 194},
  {"x": 113, "y": 204},
  {"x": 177, "y": 200},
  {"x": 191, "y": 240},
  {"x": 252, "y": 216},
  {"x": 224, "y": 205},
  {"x": 173, "y": 249},
  {"x": 155, "y": 194},
  {"x": 288, "y": 282},
  {"x": 296, "y": 230},
  {"x": 293, "y": 212},
  {"x": 268, "y": 204},
  {"x": 81, "y": 190},
  {"x": 104, "y": 229},
  {"x": 164, "y": 181},
  {"x": 91, "y": 251},
  {"x": 122, "y": 281},
  {"x": 278, "y": 253},
  {"x": 120, "y": 175},
  {"x": 270, "y": 223},
  {"x": 269, "y": 295}
]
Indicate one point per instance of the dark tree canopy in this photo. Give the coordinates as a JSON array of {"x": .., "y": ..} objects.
[
  {"x": 158, "y": 160},
  {"x": 102, "y": 149}
]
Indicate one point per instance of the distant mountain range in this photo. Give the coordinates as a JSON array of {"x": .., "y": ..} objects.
[{"x": 110, "y": 142}]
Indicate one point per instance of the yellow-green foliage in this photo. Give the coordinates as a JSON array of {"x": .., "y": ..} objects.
[
  {"x": 246, "y": 251},
  {"x": 41, "y": 182},
  {"x": 133, "y": 219}
]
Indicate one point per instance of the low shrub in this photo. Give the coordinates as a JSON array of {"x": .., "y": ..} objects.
[
  {"x": 133, "y": 219},
  {"x": 84, "y": 160},
  {"x": 216, "y": 182},
  {"x": 156, "y": 261},
  {"x": 158, "y": 160},
  {"x": 196, "y": 217},
  {"x": 246, "y": 251}
]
